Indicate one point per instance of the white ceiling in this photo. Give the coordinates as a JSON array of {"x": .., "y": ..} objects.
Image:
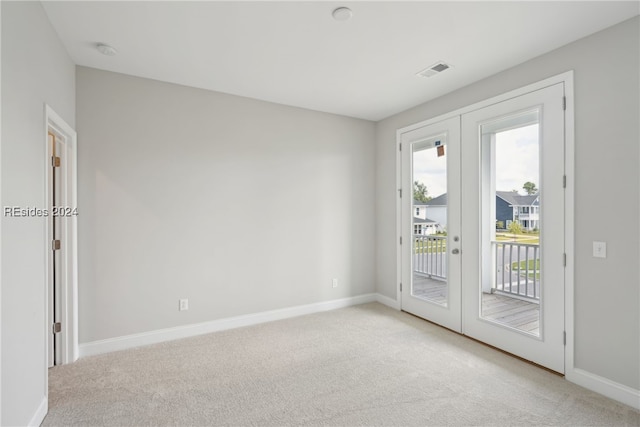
[{"x": 295, "y": 53}]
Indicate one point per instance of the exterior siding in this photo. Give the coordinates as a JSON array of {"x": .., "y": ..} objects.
[{"x": 504, "y": 211}]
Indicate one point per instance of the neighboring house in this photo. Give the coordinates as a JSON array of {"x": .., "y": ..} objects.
[
  {"x": 436, "y": 210},
  {"x": 420, "y": 209},
  {"x": 422, "y": 224},
  {"x": 511, "y": 206},
  {"x": 425, "y": 226}
]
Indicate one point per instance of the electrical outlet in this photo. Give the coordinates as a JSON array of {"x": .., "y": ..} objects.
[
  {"x": 600, "y": 249},
  {"x": 183, "y": 305},
  {"x": 334, "y": 283}
]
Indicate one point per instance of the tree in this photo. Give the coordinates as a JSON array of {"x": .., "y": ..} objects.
[
  {"x": 420, "y": 192},
  {"x": 530, "y": 188},
  {"x": 515, "y": 228}
]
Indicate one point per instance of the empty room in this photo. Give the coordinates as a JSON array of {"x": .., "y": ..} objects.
[{"x": 320, "y": 213}]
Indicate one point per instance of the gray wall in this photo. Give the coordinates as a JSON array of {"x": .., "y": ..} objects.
[
  {"x": 35, "y": 70},
  {"x": 607, "y": 295},
  {"x": 239, "y": 205}
]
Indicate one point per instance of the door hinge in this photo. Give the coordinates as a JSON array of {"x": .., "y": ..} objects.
[
  {"x": 400, "y": 239},
  {"x": 564, "y": 259},
  {"x": 400, "y": 286},
  {"x": 564, "y": 181},
  {"x": 57, "y": 328},
  {"x": 400, "y": 192},
  {"x": 564, "y": 337},
  {"x": 55, "y": 162},
  {"x": 55, "y": 245},
  {"x": 400, "y": 147},
  {"x": 564, "y": 103}
]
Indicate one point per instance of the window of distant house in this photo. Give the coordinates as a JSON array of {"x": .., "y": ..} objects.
[
  {"x": 417, "y": 229},
  {"x": 417, "y": 211}
]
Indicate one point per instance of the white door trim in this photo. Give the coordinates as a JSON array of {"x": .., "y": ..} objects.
[
  {"x": 69, "y": 288},
  {"x": 569, "y": 233}
]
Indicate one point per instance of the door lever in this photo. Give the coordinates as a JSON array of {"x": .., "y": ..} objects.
[{"x": 455, "y": 251}]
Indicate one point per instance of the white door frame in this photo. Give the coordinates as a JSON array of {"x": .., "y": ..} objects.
[
  {"x": 69, "y": 255},
  {"x": 569, "y": 233}
]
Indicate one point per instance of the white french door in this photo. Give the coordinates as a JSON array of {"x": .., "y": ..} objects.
[
  {"x": 521, "y": 137},
  {"x": 485, "y": 257},
  {"x": 431, "y": 255}
]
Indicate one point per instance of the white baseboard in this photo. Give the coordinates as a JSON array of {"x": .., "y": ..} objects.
[
  {"x": 38, "y": 417},
  {"x": 162, "y": 335},
  {"x": 604, "y": 386},
  {"x": 611, "y": 389},
  {"x": 395, "y": 304}
]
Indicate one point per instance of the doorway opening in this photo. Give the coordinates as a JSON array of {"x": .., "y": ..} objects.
[{"x": 61, "y": 240}]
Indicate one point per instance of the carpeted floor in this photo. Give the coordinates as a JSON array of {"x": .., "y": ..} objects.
[{"x": 363, "y": 365}]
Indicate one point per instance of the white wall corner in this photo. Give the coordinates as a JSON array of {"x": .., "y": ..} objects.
[
  {"x": 169, "y": 334},
  {"x": 611, "y": 389},
  {"x": 40, "y": 413},
  {"x": 389, "y": 302}
]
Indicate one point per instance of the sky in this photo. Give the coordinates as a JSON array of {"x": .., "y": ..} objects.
[{"x": 517, "y": 161}]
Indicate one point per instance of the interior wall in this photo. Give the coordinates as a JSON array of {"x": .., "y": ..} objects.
[
  {"x": 36, "y": 69},
  {"x": 607, "y": 296},
  {"x": 239, "y": 205}
]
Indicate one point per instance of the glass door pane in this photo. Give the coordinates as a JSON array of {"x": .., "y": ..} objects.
[
  {"x": 510, "y": 171},
  {"x": 429, "y": 222}
]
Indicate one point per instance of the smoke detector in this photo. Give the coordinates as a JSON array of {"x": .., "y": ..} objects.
[
  {"x": 105, "y": 49},
  {"x": 434, "y": 69},
  {"x": 342, "y": 14}
]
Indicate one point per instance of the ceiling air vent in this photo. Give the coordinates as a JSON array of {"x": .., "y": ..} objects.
[{"x": 436, "y": 68}]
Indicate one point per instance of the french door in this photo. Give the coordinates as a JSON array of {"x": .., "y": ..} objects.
[
  {"x": 431, "y": 282},
  {"x": 484, "y": 230}
]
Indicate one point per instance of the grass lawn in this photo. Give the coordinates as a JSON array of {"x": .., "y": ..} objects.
[
  {"x": 532, "y": 239},
  {"x": 439, "y": 246},
  {"x": 430, "y": 246},
  {"x": 533, "y": 265}
]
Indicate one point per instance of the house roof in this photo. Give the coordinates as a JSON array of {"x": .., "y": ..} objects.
[
  {"x": 441, "y": 200},
  {"x": 419, "y": 203},
  {"x": 515, "y": 199},
  {"x": 511, "y": 197},
  {"x": 417, "y": 220}
]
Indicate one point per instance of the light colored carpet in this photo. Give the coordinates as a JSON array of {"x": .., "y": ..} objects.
[{"x": 363, "y": 365}]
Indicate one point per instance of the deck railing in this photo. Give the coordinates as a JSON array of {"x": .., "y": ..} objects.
[
  {"x": 517, "y": 269},
  {"x": 516, "y": 272},
  {"x": 429, "y": 255}
]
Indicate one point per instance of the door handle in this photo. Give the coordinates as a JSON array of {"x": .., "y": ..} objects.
[{"x": 455, "y": 251}]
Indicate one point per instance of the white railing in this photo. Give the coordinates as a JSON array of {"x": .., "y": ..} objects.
[
  {"x": 517, "y": 269},
  {"x": 516, "y": 272},
  {"x": 430, "y": 255}
]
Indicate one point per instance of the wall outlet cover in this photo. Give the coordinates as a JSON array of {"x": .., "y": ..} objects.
[{"x": 600, "y": 249}]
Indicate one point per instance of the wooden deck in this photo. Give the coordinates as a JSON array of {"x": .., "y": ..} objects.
[{"x": 513, "y": 312}]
